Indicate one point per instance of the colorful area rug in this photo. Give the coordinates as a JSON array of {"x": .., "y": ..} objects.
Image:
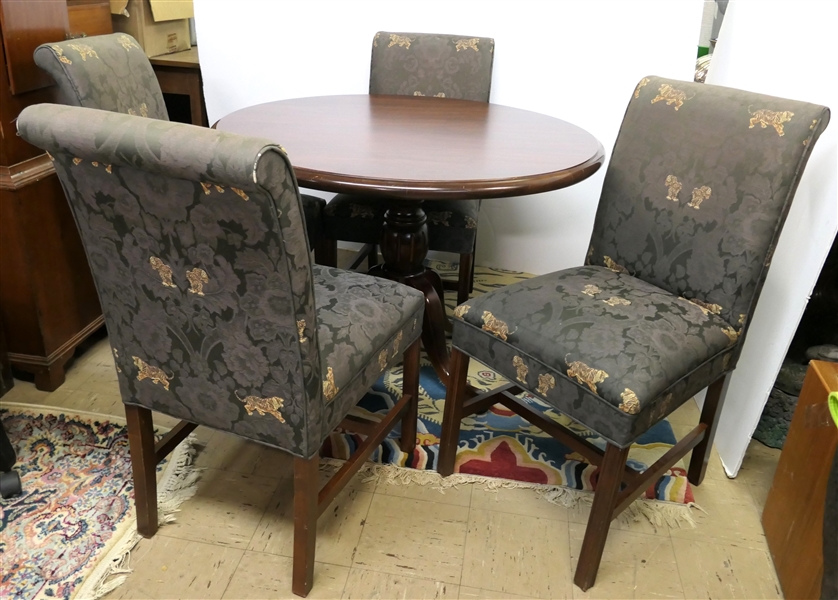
[
  {"x": 68, "y": 535},
  {"x": 501, "y": 446}
]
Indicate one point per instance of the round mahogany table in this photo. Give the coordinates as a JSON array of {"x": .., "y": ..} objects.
[{"x": 411, "y": 149}]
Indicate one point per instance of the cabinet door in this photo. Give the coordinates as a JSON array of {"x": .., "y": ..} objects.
[{"x": 27, "y": 25}]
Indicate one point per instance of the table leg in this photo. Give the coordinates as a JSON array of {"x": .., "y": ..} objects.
[{"x": 404, "y": 246}]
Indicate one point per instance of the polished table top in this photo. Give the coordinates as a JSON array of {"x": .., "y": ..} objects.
[
  {"x": 407, "y": 148},
  {"x": 418, "y": 147}
]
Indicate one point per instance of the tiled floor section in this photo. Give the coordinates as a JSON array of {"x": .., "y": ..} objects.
[{"x": 233, "y": 540}]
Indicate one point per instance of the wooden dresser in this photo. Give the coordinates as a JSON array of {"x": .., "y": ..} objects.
[
  {"x": 48, "y": 302},
  {"x": 794, "y": 510}
]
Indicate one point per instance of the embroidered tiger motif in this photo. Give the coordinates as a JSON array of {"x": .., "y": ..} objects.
[
  {"x": 673, "y": 187},
  {"x": 363, "y": 211},
  {"x": 775, "y": 119},
  {"x": 630, "y": 404},
  {"x": 330, "y": 390},
  {"x": 699, "y": 195},
  {"x": 59, "y": 51},
  {"x": 467, "y": 44},
  {"x": 301, "y": 327},
  {"x": 440, "y": 218},
  {"x": 147, "y": 371},
  {"x": 263, "y": 406},
  {"x": 546, "y": 382},
  {"x": 163, "y": 270},
  {"x": 706, "y": 307},
  {"x": 84, "y": 51},
  {"x": 671, "y": 96},
  {"x": 585, "y": 374},
  {"x": 640, "y": 84},
  {"x": 495, "y": 326},
  {"x": 610, "y": 264},
  {"x": 397, "y": 343},
  {"x": 591, "y": 290},
  {"x": 126, "y": 42},
  {"x": 399, "y": 40},
  {"x": 197, "y": 278},
  {"x": 461, "y": 311},
  {"x": 520, "y": 368}
]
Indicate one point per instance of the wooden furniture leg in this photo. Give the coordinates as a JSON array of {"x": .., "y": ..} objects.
[
  {"x": 454, "y": 398},
  {"x": 709, "y": 417},
  {"x": 326, "y": 253},
  {"x": 144, "y": 467},
  {"x": 608, "y": 486},
  {"x": 410, "y": 385},
  {"x": 306, "y": 487},
  {"x": 466, "y": 277}
]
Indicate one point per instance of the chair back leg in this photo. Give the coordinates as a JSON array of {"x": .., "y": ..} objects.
[
  {"x": 326, "y": 253},
  {"x": 144, "y": 467},
  {"x": 454, "y": 398},
  {"x": 410, "y": 385},
  {"x": 465, "y": 281},
  {"x": 710, "y": 413},
  {"x": 306, "y": 488},
  {"x": 605, "y": 499}
]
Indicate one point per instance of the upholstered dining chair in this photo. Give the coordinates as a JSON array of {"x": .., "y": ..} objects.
[
  {"x": 694, "y": 198},
  {"x": 420, "y": 64},
  {"x": 111, "y": 72},
  {"x": 214, "y": 311}
]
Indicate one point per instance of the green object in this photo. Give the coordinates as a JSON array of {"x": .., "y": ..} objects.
[
  {"x": 703, "y": 51},
  {"x": 833, "y": 406}
]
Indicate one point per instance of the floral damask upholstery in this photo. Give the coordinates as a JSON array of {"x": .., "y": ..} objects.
[
  {"x": 699, "y": 184},
  {"x": 420, "y": 64},
  {"x": 112, "y": 72},
  {"x": 214, "y": 311}
]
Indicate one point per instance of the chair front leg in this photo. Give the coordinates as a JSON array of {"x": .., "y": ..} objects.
[
  {"x": 410, "y": 385},
  {"x": 306, "y": 488},
  {"x": 605, "y": 497},
  {"x": 710, "y": 413},
  {"x": 144, "y": 467},
  {"x": 454, "y": 399}
]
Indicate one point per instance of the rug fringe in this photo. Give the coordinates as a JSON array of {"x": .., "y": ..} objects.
[
  {"x": 657, "y": 512},
  {"x": 178, "y": 484}
]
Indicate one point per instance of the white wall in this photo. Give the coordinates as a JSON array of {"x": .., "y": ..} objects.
[
  {"x": 576, "y": 60},
  {"x": 802, "y": 68}
]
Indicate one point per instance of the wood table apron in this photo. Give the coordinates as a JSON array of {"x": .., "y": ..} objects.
[{"x": 410, "y": 150}]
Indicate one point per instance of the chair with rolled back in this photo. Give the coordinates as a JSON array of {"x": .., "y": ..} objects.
[
  {"x": 111, "y": 72},
  {"x": 214, "y": 311},
  {"x": 694, "y": 198},
  {"x": 420, "y": 64}
]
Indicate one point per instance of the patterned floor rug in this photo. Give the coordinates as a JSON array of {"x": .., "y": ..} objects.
[
  {"x": 69, "y": 533},
  {"x": 501, "y": 446}
]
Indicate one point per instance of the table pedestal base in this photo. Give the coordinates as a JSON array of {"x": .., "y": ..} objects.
[{"x": 404, "y": 245}]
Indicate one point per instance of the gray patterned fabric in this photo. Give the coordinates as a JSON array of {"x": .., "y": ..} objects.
[
  {"x": 197, "y": 245},
  {"x": 109, "y": 72},
  {"x": 420, "y": 64},
  {"x": 699, "y": 184},
  {"x": 112, "y": 72}
]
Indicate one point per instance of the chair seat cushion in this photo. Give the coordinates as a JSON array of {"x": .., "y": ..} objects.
[
  {"x": 610, "y": 350},
  {"x": 452, "y": 224},
  {"x": 313, "y": 207},
  {"x": 364, "y": 324}
]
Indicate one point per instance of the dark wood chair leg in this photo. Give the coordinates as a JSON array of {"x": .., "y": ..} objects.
[
  {"x": 454, "y": 399},
  {"x": 471, "y": 277},
  {"x": 605, "y": 498},
  {"x": 464, "y": 281},
  {"x": 144, "y": 467},
  {"x": 710, "y": 416},
  {"x": 410, "y": 385},
  {"x": 306, "y": 488},
  {"x": 372, "y": 257},
  {"x": 326, "y": 253}
]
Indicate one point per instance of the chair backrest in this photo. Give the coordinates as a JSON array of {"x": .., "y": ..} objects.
[
  {"x": 196, "y": 242},
  {"x": 109, "y": 72},
  {"x": 427, "y": 64},
  {"x": 698, "y": 187}
]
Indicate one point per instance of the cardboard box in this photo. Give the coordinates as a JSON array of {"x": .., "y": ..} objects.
[{"x": 160, "y": 26}]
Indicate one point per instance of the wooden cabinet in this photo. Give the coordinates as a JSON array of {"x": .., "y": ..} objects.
[
  {"x": 48, "y": 302},
  {"x": 793, "y": 515}
]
